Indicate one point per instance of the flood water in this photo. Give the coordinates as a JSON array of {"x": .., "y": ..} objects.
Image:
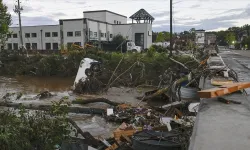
[
  {"x": 60, "y": 87},
  {"x": 36, "y": 84}
]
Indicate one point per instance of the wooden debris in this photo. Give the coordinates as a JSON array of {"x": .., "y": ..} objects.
[
  {"x": 220, "y": 81},
  {"x": 223, "y": 90},
  {"x": 178, "y": 113},
  {"x": 124, "y": 106},
  {"x": 123, "y": 130},
  {"x": 126, "y": 138},
  {"x": 112, "y": 147}
]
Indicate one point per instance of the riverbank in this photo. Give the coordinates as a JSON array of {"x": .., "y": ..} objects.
[{"x": 144, "y": 68}]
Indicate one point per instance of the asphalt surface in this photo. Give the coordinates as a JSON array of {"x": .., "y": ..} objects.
[
  {"x": 222, "y": 126},
  {"x": 242, "y": 52}
]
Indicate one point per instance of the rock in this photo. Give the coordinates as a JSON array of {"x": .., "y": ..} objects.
[{"x": 44, "y": 95}]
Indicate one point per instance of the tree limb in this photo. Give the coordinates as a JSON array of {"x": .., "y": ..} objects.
[{"x": 87, "y": 101}]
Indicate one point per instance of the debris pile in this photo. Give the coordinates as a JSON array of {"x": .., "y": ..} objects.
[{"x": 145, "y": 127}]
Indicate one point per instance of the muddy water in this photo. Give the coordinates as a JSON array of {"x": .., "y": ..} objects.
[
  {"x": 60, "y": 87},
  {"x": 36, "y": 84}
]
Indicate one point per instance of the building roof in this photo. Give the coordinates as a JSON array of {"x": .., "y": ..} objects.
[
  {"x": 105, "y": 11},
  {"x": 76, "y": 19},
  {"x": 33, "y": 26},
  {"x": 142, "y": 14}
]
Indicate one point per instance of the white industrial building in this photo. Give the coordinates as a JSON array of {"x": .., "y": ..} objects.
[
  {"x": 200, "y": 38},
  {"x": 99, "y": 26}
]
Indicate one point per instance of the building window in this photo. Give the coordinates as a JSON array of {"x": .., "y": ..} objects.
[
  {"x": 114, "y": 21},
  {"x": 78, "y": 43},
  {"x": 47, "y": 34},
  {"x": 55, "y": 46},
  {"x": 84, "y": 20},
  {"x": 34, "y": 46},
  {"x": 95, "y": 34},
  {"x": 27, "y": 45},
  {"x": 105, "y": 35},
  {"x": 78, "y": 33},
  {"x": 69, "y": 34},
  {"x": 14, "y": 35},
  {"x": 27, "y": 35},
  {"x": 120, "y": 22},
  {"x": 9, "y": 46},
  {"x": 15, "y": 46},
  {"x": 69, "y": 45},
  {"x": 102, "y": 34},
  {"x": 54, "y": 34},
  {"x": 48, "y": 46},
  {"x": 90, "y": 33},
  {"x": 8, "y": 36},
  {"x": 111, "y": 36},
  {"x": 33, "y": 35}
]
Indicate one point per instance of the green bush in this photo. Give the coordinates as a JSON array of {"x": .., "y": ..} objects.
[
  {"x": 159, "y": 49},
  {"x": 23, "y": 130}
]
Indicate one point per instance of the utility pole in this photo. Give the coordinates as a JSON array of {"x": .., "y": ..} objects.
[
  {"x": 18, "y": 10},
  {"x": 171, "y": 28}
]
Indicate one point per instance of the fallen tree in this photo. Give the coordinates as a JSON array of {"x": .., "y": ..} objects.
[
  {"x": 88, "y": 101},
  {"x": 96, "y": 111}
]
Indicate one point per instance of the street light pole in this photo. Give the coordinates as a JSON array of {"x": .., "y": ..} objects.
[
  {"x": 18, "y": 10},
  {"x": 171, "y": 28}
]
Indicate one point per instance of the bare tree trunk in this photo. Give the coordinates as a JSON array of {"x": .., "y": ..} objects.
[
  {"x": 87, "y": 101},
  {"x": 96, "y": 111}
]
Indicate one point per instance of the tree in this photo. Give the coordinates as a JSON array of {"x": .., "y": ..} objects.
[
  {"x": 5, "y": 22},
  {"x": 230, "y": 38},
  {"x": 166, "y": 36},
  {"x": 246, "y": 42},
  {"x": 192, "y": 34},
  {"x": 160, "y": 37},
  {"x": 118, "y": 39}
]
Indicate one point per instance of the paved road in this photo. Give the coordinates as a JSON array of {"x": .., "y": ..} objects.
[
  {"x": 222, "y": 126},
  {"x": 240, "y": 62},
  {"x": 242, "y": 53}
]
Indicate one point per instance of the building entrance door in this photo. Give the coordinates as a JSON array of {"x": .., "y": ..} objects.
[{"x": 139, "y": 39}]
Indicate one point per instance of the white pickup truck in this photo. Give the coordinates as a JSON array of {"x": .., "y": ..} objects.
[{"x": 132, "y": 47}]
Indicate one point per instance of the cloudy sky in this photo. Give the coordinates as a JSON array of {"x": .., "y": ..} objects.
[{"x": 200, "y": 14}]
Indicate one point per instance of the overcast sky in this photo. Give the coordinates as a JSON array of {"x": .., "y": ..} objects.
[{"x": 200, "y": 14}]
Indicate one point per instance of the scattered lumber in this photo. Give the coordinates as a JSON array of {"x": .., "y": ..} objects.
[{"x": 223, "y": 90}]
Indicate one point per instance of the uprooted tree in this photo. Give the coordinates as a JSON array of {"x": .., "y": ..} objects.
[{"x": 5, "y": 21}]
